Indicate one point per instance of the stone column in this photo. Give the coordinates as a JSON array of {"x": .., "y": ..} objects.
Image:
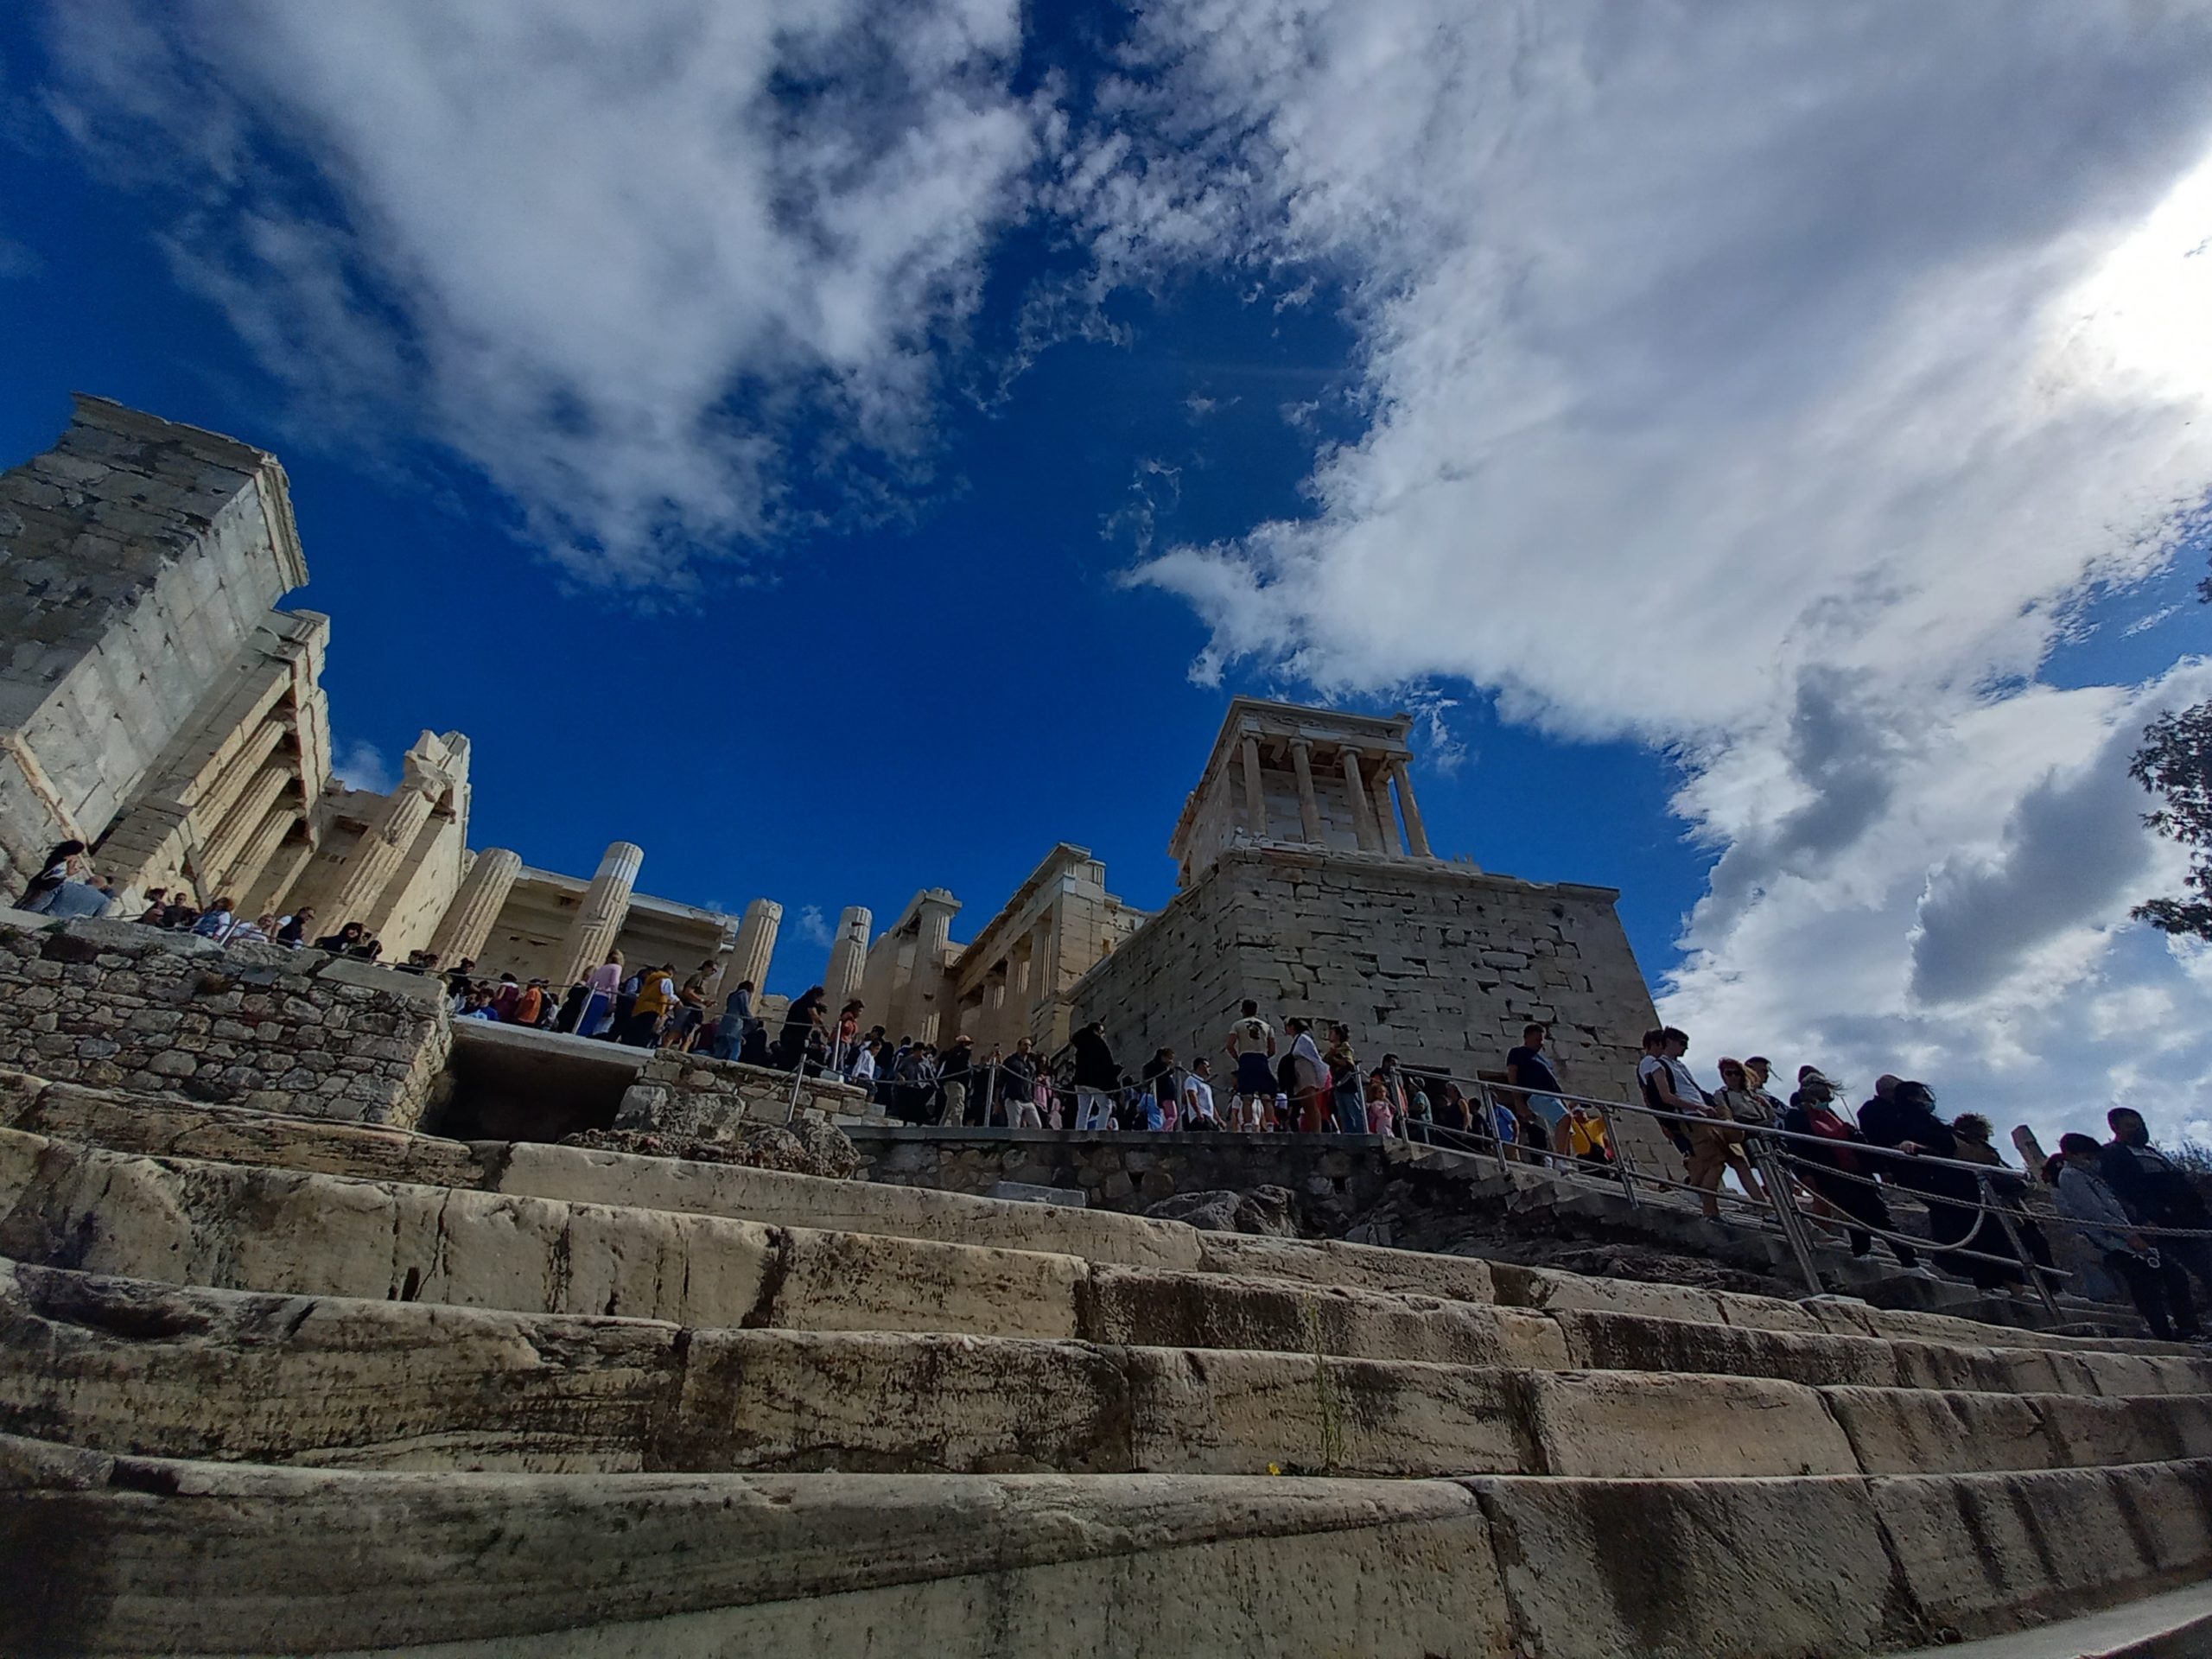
[
  {"x": 1309, "y": 809},
  {"x": 599, "y": 919},
  {"x": 755, "y": 948},
  {"x": 1386, "y": 815},
  {"x": 246, "y": 871},
  {"x": 1256, "y": 797},
  {"x": 470, "y": 918},
  {"x": 1416, "y": 831},
  {"x": 849, "y": 957},
  {"x": 1362, "y": 810},
  {"x": 383, "y": 846},
  {"x": 220, "y": 853}
]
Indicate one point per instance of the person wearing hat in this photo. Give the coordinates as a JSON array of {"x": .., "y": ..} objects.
[
  {"x": 1906, "y": 1119},
  {"x": 1833, "y": 1171}
]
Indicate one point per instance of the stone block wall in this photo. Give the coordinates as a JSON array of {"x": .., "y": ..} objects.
[
  {"x": 123, "y": 1006},
  {"x": 1331, "y": 1178},
  {"x": 692, "y": 1096},
  {"x": 139, "y": 557},
  {"x": 1438, "y": 963}
]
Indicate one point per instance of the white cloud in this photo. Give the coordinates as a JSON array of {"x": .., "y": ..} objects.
[
  {"x": 363, "y": 766},
  {"x": 815, "y": 928},
  {"x": 1775, "y": 394},
  {"x": 609, "y": 255},
  {"x": 2149, "y": 620}
]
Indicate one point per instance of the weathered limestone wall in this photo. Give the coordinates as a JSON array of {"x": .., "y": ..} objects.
[
  {"x": 705, "y": 1099},
  {"x": 123, "y": 1006},
  {"x": 1130, "y": 1173},
  {"x": 1436, "y": 963},
  {"x": 137, "y": 558}
]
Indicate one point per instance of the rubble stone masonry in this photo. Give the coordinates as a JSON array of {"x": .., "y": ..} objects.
[{"x": 122, "y": 1006}]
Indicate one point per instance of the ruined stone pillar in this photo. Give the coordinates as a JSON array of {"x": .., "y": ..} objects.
[
  {"x": 1416, "y": 831},
  {"x": 1255, "y": 798},
  {"x": 599, "y": 919},
  {"x": 376, "y": 858},
  {"x": 468, "y": 919},
  {"x": 755, "y": 947},
  {"x": 1386, "y": 815},
  {"x": 1309, "y": 809},
  {"x": 848, "y": 956},
  {"x": 1362, "y": 810}
]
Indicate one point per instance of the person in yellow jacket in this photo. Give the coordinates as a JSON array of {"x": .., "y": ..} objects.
[{"x": 655, "y": 1000}]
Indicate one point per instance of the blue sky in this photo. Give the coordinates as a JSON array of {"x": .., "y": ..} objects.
[{"x": 846, "y": 449}]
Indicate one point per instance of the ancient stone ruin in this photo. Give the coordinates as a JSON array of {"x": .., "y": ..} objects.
[{"x": 335, "y": 1325}]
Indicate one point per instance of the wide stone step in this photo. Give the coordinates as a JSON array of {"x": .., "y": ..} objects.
[
  {"x": 187, "y": 1221},
  {"x": 129, "y": 1366},
  {"x": 140, "y": 1124},
  {"x": 130, "y": 1555}
]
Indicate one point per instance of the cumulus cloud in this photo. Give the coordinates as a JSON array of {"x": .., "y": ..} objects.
[
  {"x": 1813, "y": 378},
  {"x": 617, "y": 257},
  {"x": 362, "y": 765}
]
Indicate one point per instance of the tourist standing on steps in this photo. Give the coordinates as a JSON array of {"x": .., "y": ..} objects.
[
  {"x": 1737, "y": 1103},
  {"x": 1251, "y": 1047},
  {"x": 1528, "y": 1069},
  {"x": 802, "y": 1027},
  {"x": 1826, "y": 1170},
  {"x": 1350, "y": 1098},
  {"x": 1197, "y": 1096},
  {"x": 1017, "y": 1087},
  {"x": 67, "y": 862},
  {"x": 1906, "y": 1120},
  {"x": 736, "y": 1021},
  {"x": 955, "y": 1070},
  {"x": 1095, "y": 1077},
  {"x": 655, "y": 1001},
  {"x": 2157, "y": 1194},
  {"x": 2155, "y": 1282},
  {"x": 1309, "y": 1078},
  {"x": 601, "y": 986}
]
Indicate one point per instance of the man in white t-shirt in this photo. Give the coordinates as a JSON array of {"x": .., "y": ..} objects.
[
  {"x": 1252, "y": 1045},
  {"x": 1197, "y": 1097}
]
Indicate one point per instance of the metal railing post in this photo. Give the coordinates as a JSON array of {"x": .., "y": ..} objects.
[
  {"x": 2028, "y": 1265},
  {"x": 1773, "y": 1170},
  {"x": 1621, "y": 1163}
]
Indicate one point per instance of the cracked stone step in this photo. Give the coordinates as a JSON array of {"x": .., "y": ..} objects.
[
  {"x": 69, "y": 1112},
  {"x": 129, "y": 1366},
  {"x": 205, "y": 1559},
  {"x": 251, "y": 1227}
]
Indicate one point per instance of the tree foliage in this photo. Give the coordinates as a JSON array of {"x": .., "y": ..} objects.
[{"x": 2174, "y": 764}]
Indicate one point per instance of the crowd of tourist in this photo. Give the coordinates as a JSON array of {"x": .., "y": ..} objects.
[{"x": 2140, "y": 1213}]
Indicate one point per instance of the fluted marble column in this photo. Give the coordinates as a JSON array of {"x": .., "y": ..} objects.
[
  {"x": 468, "y": 919},
  {"x": 599, "y": 919},
  {"x": 1309, "y": 809},
  {"x": 1255, "y": 795},
  {"x": 1386, "y": 816},
  {"x": 1362, "y": 810},
  {"x": 245, "y": 872},
  {"x": 848, "y": 955},
  {"x": 376, "y": 858},
  {"x": 755, "y": 947},
  {"x": 1416, "y": 831},
  {"x": 220, "y": 857}
]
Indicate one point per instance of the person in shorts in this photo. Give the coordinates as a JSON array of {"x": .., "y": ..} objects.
[{"x": 1251, "y": 1047}]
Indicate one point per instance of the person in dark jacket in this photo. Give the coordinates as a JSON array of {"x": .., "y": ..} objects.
[
  {"x": 956, "y": 1070},
  {"x": 802, "y": 1021},
  {"x": 1828, "y": 1169},
  {"x": 2157, "y": 1193},
  {"x": 1097, "y": 1077},
  {"x": 1905, "y": 1119}
]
